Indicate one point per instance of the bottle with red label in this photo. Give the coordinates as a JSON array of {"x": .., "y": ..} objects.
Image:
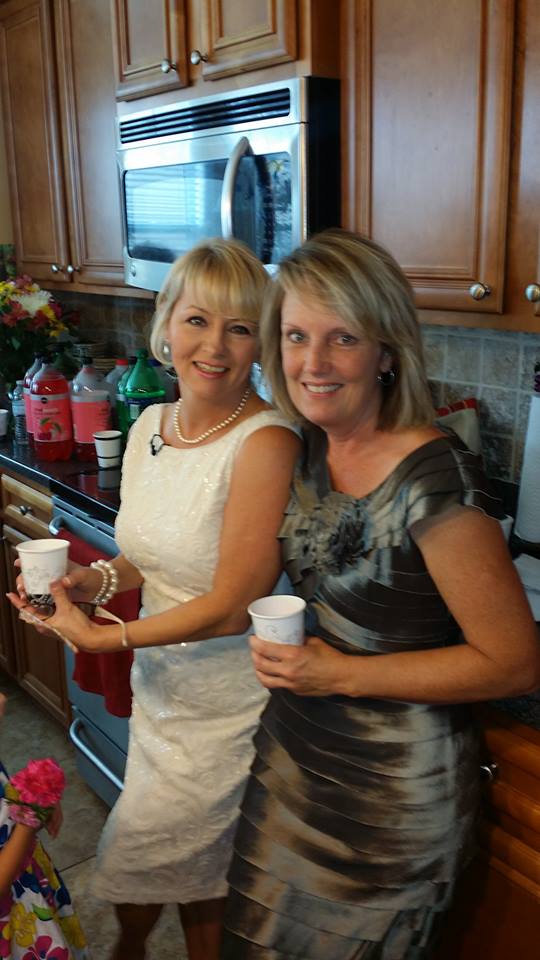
[
  {"x": 27, "y": 380},
  {"x": 90, "y": 408},
  {"x": 50, "y": 411}
]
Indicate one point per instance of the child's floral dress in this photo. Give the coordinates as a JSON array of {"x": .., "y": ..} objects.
[{"x": 37, "y": 920}]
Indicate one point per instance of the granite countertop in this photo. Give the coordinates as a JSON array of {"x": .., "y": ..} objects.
[
  {"x": 98, "y": 491},
  {"x": 82, "y": 484}
]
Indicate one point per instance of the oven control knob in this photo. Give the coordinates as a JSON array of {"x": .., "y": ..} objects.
[{"x": 133, "y": 270}]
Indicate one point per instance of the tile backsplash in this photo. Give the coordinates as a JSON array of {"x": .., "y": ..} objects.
[
  {"x": 498, "y": 369},
  {"x": 495, "y": 367}
]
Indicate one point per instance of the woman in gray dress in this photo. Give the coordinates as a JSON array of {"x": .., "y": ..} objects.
[{"x": 360, "y": 807}]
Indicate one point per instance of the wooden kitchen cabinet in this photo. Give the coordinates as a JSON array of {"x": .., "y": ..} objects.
[
  {"x": 497, "y": 910},
  {"x": 429, "y": 88},
  {"x": 149, "y": 46},
  {"x": 240, "y": 35},
  {"x": 231, "y": 37},
  {"x": 59, "y": 115},
  {"x": 36, "y": 662}
]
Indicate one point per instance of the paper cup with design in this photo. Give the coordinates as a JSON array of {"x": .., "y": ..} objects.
[
  {"x": 108, "y": 445},
  {"x": 279, "y": 618},
  {"x": 42, "y": 561}
]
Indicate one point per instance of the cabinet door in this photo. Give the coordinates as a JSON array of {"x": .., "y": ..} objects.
[
  {"x": 239, "y": 35},
  {"x": 33, "y": 145},
  {"x": 429, "y": 126},
  {"x": 88, "y": 111},
  {"x": 150, "y": 46},
  {"x": 40, "y": 660},
  {"x": 7, "y": 649}
]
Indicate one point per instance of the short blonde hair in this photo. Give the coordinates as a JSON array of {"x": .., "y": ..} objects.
[
  {"x": 361, "y": 282},
  {"x": 224, "y": 276}
]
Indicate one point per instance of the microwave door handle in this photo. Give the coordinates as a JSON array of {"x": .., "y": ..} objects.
[{"x": 241, "y": 149}]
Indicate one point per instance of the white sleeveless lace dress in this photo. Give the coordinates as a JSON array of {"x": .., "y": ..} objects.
[{"x": 195, "y": 705}]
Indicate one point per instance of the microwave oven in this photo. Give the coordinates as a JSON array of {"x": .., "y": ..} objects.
[{"x": 260, "y": 164}]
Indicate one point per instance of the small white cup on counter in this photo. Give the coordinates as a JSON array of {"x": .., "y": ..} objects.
[
  {"x": 42, "y": 561},
  {"x": 108, "y": 448},
  {"x": 279, "y": 618},
  {"x": 4, "y": 417}
]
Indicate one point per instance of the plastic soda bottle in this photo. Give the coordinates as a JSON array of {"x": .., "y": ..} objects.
[
  {"x": 112, "y": 379},
  {"x": 18, "y": 412},
  {"x": 51, "y": 414},
  {"x": 121, "y": 402},
  {"x": 90, "y": 408},
  {"x": 142, "y": 388},
  {"x": 168, "y": 382},
  {"x": 28, "y": 377}
]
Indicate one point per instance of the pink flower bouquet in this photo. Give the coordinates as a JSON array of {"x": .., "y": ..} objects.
[{"x": 34, "y": 792}]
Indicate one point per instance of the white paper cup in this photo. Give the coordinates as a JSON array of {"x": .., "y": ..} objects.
[
  {"x": 108, "y": 443},
  {"x": 279, "y": 618},
  {"x": 42, "y": 561},
  {"x": 106, "y": 462},
  {"x": 4, "y": 417}
]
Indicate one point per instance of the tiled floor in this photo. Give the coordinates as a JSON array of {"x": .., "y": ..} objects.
[{"x": 28, "y": 732}]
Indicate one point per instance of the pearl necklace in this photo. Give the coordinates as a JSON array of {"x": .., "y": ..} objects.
[{"x": 218, "y": 426}]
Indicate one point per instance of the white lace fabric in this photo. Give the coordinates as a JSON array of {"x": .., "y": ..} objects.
[{"x": 195, "y": 705}]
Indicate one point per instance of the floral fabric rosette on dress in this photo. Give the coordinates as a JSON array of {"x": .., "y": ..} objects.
[{"x": 34, "y": 792}]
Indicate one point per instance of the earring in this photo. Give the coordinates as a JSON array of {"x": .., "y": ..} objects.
[
  {"x": 387, "y": 378},
  {"x": 166, "y": 350}
]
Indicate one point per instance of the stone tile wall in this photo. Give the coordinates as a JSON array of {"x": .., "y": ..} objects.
[{"x": 497, "y": 368}]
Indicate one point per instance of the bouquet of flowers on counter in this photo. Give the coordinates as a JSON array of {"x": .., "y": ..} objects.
[
  {"x": 35, "y": 791},
  {"x": 30, "y": 320}
]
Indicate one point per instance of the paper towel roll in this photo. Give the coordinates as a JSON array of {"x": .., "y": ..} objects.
[{"x": 527, "y": 525}]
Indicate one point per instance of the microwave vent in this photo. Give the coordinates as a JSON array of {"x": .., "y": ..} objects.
[{"x": 267, "y": 105}]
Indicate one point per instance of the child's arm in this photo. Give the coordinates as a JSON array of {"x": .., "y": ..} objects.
[{"x": 14, "y": 854}]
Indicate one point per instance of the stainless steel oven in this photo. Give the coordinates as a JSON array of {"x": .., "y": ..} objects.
[
  {"x": 260, "y": 164},
  {"x": 100, "y": 739}
]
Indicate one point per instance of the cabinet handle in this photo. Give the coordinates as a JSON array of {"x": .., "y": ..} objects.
[
  {"x": 479, "y": 290},
  {"x": 196, "y": 57},
  {"x": 488, "y": 771},
  {"x": 167, "y": 66},
  {"x": 24, "y": 509},
  {"x": 56, "y": 269},
  {"x": 532, "y": 292},
  {"x": 70, "y": 269}
]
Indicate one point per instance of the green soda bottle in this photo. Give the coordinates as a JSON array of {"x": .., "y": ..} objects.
[
  {"x": 121, "y": 403},
  {"x": 142, "y": 388}
]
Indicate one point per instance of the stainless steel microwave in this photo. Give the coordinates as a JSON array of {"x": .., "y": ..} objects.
[{"x": 260, "y": 164}]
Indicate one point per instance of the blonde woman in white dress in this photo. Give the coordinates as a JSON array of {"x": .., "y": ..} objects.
[{"x": 204, "y": 485}]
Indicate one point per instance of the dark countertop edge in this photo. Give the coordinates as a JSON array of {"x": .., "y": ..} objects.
[{"x": 56, "y": 476}]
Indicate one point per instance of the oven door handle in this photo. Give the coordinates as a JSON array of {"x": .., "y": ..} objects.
[
  {"x": 80, "y": 745},
  {"x": 56, "y": 524},
  {"x": 241, "y": 149}
]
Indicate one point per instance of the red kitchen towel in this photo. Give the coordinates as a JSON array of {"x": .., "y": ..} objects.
[{"x": 105, "y": 673}]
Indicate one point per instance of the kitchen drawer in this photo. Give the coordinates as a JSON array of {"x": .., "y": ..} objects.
[{"x": 26, "y": 508}]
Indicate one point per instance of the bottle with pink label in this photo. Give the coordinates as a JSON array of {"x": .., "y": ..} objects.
[
  {"x": 28, "y": 377},
  {"x": 90, "y": 408},
  {"x": 50, "y": 413}
]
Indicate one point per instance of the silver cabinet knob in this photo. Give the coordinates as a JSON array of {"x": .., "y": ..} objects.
[
  {"x": 532, "y": 292},
  {"x": 488, "y": 771},
  {"x": 70, "y": 269},
  {"x": 479, "y": 290},
  {"x": 167, "y": 66},
  {"x": 25, "y": 510},
  {"x": 56, "y": 269},
  {"x": 196, "y": 56}
]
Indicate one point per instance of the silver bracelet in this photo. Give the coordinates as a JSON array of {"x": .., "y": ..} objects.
[{"x": 109, "y": 585}]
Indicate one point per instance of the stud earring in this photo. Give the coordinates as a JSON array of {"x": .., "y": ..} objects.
[
  {"x": 166, "y": 350},
  {"x": 387, "y": 378}
]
